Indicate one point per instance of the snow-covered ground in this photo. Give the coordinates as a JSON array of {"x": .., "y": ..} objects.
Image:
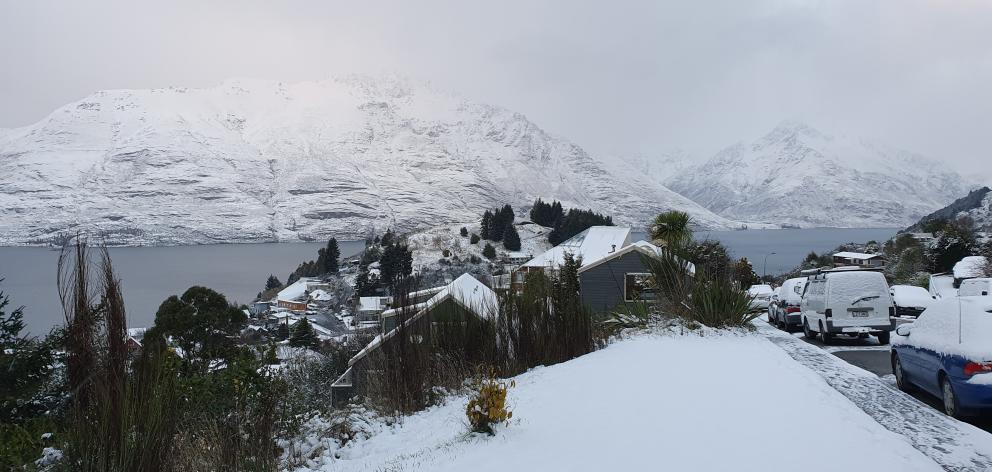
[
  {"x": 652, "y": 402},
  {"x": 428, "y": 246},
  {"x": 951, "y": 443}
]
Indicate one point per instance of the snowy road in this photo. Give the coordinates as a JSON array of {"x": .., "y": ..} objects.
[{"x": 956, "y": 446}]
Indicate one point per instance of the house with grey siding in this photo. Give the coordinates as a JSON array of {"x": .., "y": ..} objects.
[{"x": 612, "y": 270}]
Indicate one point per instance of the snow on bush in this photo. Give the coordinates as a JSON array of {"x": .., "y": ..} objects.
[{"x": 487, "y": 406}]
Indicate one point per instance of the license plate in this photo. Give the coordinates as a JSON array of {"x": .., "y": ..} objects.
[{"x": 859, "y": 314}]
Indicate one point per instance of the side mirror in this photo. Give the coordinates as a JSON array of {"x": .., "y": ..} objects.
[{"x": 904, "y": 330}]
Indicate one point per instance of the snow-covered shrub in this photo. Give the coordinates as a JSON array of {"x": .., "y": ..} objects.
[{"x": 487, "y": 407}]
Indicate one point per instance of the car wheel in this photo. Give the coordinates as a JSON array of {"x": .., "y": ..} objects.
[
  {"x": 825, "y": 337},
  {"x": 900, "y": 374},
  {"x": 883, "y": 338},
  {"x": 951, "y": 406},
  {"x": 808, "y": 333}
]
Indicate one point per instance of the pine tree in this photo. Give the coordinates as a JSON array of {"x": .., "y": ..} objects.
[
  {"x": 489, "y": 251},
  {"x": 282, "y": 332},
  {"x": 511, "y": 239},
  {"x": 474, "y": 239},
  {"x": 272, "y": 283},
  {"x": 303, "y": 335},
  {"x": 485, "y": 226},
  {"x": 464, "y": 232},
  {"x": 332, "y": 254}
]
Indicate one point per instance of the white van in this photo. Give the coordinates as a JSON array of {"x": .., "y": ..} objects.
[
  {"x": 975, "y": 287},
  {"x": 855, "y": 303}
]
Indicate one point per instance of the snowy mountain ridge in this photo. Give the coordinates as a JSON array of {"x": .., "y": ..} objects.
[
  {"x": 798, "y": 176},
  {"x": 254, "y": 160}
]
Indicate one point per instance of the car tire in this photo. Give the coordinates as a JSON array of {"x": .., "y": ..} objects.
[
  {"x": 883, "y": 337},
  {"x": 901, "y": 381},
  {"x": 808, "y": 333},
  {"x": 825, "y": 337},
  {"x": 949, "y": 398}
]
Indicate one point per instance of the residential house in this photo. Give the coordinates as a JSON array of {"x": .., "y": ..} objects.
[
  {"x": 454, "y": 307},
  {"x": 847, "y": 259},
  {"x": 612, "y": 270}
]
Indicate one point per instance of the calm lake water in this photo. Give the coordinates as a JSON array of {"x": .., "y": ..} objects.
[
  {"x": 152, "y": 274},
  {"x": 790, "y": 245}
]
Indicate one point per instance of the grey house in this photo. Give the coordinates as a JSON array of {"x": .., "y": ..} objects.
[
  {"x": 621, "y": 278},
  {"x": 612, "y": 271}
]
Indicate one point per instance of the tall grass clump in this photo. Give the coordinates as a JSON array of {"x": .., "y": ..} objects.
[
  {"x": 158, "y": 409},
  {"x": 119, "y": 418}
]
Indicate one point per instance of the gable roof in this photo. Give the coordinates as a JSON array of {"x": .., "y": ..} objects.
[
  {"x": 642, "y": 247},
  {"x": 856, "y": 255},
  {"x": 466, "y": 291},
  {"x": 294, "y": 291},
  {"x": 591, "y": 245}
]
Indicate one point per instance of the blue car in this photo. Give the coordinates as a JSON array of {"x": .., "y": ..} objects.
[{"x": 947, "y": 352}]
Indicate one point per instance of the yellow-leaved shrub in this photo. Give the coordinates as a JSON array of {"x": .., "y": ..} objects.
[{"x": 487, "y": 406}]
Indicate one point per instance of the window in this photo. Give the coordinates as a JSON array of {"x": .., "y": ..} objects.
[{"x": 638, "y": 288}]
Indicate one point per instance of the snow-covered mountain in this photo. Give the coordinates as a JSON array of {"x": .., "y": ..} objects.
[
  {"x": 796, "y": 175},
  {"x": 269, "y": 161},
  {"x": 977, "y": 205}
]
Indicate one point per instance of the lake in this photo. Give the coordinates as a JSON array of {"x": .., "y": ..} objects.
[
  {"x": 790, "y": 245},
  {"x": 152, "y": 274}
]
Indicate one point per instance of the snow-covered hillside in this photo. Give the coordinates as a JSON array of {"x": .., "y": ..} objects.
[
  {"x": 270, "y": 161},
  {"x": 977, "y": 205},
  {"x": 611, "y": 410},
  {"x": 797, "y": 175}
]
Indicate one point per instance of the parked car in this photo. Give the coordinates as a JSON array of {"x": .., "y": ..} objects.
[
  {"x": 910, "y": 300},
  {"x": 773, "y": 302},
  {"x": 851, "y": 302},
  {"x": 980, "y": 287},
  {"x": 947, "y": 352},
  {"x": 786, "y": 312},
  {"x": 761, "y": 296}
]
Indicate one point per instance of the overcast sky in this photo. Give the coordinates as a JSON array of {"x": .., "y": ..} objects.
[{"x": 615, "y": 77}]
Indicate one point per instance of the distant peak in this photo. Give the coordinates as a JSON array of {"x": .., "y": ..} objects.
[{"x": 790, "y": 128}]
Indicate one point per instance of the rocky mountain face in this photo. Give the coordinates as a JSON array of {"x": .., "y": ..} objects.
[
  {"x": 268, "y": 161},
  {"x": 977, "y": 205},
  {"x": 798, "y": 176}
]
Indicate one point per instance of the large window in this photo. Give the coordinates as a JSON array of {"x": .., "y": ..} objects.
[{"x": 638, "y": 288}]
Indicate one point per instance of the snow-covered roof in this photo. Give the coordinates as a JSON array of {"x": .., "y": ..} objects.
[
  {"x": 466, "y": 291},
  {"x": 370, "y": 304},
  {"x": 856, "y": 255},
  {"x": 320, "y": 295},
  {"x": 970, "y": 267},
  {"x": 293, "y": 291},
  {"x": 643, "y": 247},
  {"x": 591, "y": 245}
]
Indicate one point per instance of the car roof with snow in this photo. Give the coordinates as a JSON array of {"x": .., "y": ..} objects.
[
  {"x": 955, "y": 326},
  {"x": 969, "y": 267},
  {"x": 910, "y": 295}
]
